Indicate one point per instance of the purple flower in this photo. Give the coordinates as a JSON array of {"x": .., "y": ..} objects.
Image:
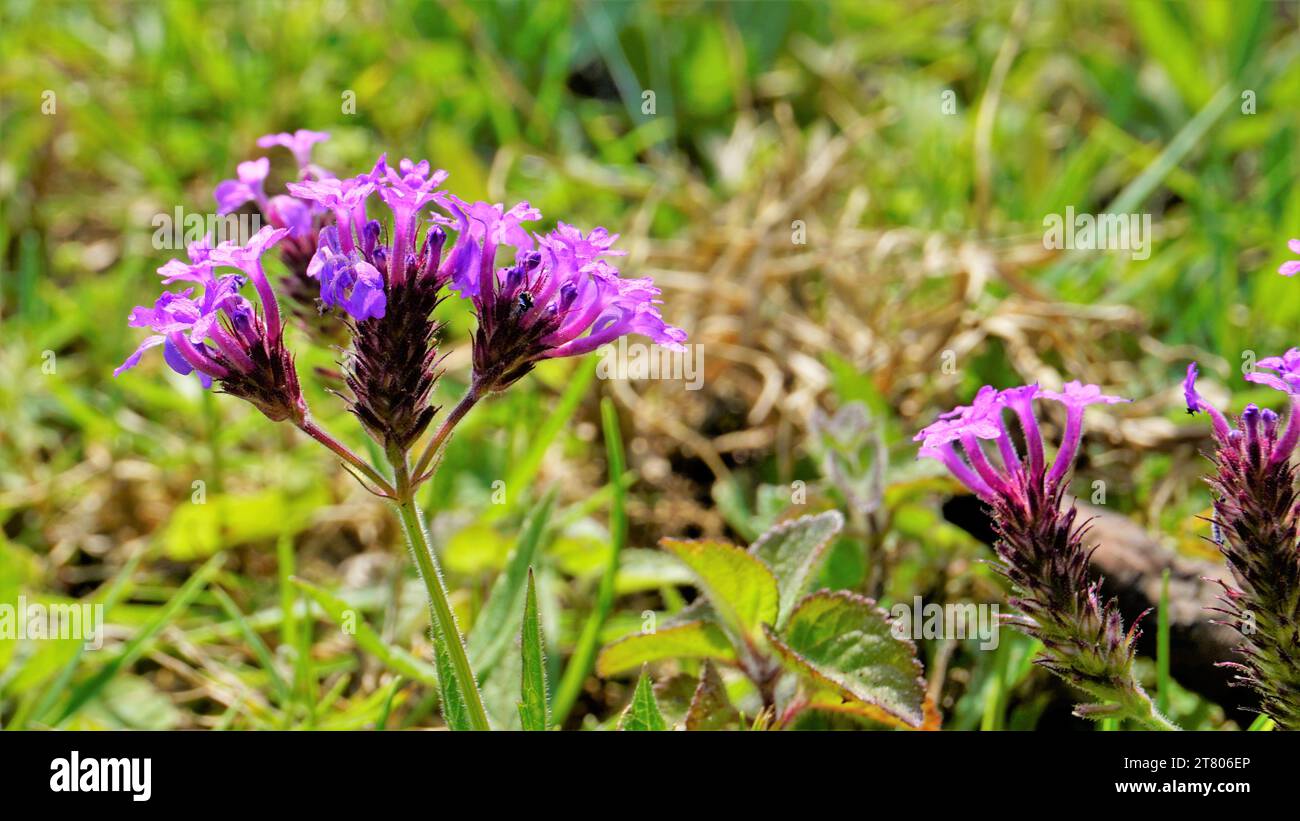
[
  {"x": 1039, "y": 546},
  {"x": 345, "y": 197},
  {"x": 1256, "y": 517},
  {"x": 1291, "y": 267},
  {"x": 563, "y": 299},
  {"x": 405, "y": 191},
  {"x": 218, "y": 332},
  {"x": 983, "y": 419},
  {"x": 479, "y": 224},
  {"x": 248, "y": 258},
  {"x": 299, "y": 142},
  {"x": 346, "y": 280},
  {"x": 1287, "y": 370},
  {"x": 1075, "y": 396},
  {"x": 231, "y": 194}
]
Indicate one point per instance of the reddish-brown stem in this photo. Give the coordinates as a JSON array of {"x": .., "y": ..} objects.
[
  {"x": 466, "y": 402},
  {"x": 315, "y": 431}
]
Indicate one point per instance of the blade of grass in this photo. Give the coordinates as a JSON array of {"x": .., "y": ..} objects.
[
  {"x": 138, "y": 643},
  {"x": 395, "y": 658},
  {"x": 114, "y": 593},
  {"x": 283, "y": 693},
  {"x": 584, "y": 652},
  {"x": 492, "y": 632}
]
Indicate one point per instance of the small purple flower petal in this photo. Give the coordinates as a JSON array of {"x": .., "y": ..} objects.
[{"x": 299, "y": 143}]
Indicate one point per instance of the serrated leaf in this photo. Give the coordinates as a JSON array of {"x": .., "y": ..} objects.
[
  {"x": 643, "y": 713},
  {"x": 843, "y": 642},
  {"x": 532, "y": 685},
  {"x": 794, "y": 551},
  {"x": 710, "y": 708},
  {"x": 694, "y": 639},
  {"x": 741, "y": 588}
]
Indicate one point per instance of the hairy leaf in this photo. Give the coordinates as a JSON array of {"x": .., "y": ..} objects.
[
  {"x": 843, "y": 642},
  {"x": 532, "y": 685},
  {"x": 695, "y": 639},
  {"x": 794, "y": 551},
  {"x": 710, "y": 708},
  {"x": 643, "y": 713},
  {"x": 741, "y": 588}
]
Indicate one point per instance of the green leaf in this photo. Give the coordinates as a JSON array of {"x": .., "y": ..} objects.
[
  {"x": 843, "y": 641},
  {"x": 794, "y": 550},
  {"x": 741, "y": 588},
  {"x": 710, "y": 708},
  {"x": 493, "y": 629},
  {"x": 643, "y": 713},
  {"x": 694, "y": 639},
  {"x": 532, "y": 685},
  {"x": 454, "y": 709}
]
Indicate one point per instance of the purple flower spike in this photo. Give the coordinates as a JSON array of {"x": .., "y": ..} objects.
[
  {"x": 1291, "y": 267},
  {"x": 563, "y": 299},
  {"x": 1040, "y": 547},
  {"x": 231, "y": 194},
  {"x": 1075, "y": 396},
  {"x": 299, "y": 143},
  {"x": 1256, "y": 517}
]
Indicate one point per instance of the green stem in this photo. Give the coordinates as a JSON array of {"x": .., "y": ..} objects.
[
  {"x": 467, "y": 401},
  {"x": 439, "y": 606}
]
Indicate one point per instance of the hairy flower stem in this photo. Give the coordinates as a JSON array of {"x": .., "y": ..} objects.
[
  {"x": 439, "y": 605},
  {"x": 469, "y": 400},
  {"x": 309, "y": 427}
]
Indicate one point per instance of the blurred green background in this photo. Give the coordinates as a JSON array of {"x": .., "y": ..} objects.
[{"x": 921, "y": 144}]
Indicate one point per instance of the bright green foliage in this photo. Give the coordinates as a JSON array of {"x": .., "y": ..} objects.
[
  {"x": 643, "y": 713},
  {"x": 842, "y": 641},
  {"x": 692, "y": 639},
  {"x": 740, "y": 586},
  {"x": 532, "y": 685}
]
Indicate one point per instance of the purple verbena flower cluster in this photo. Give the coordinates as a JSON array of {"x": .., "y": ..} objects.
[
  {"x": 383, "y": 278},
  {"x": 1256, "y": 522},
  {"x": 1039, "y": 545}
]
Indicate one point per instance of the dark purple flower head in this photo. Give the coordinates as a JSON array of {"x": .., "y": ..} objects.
[
  {"x": 562, "y": 299},
  {"x": 299, "y": 143},
  {"x": 1291, "y": 267},
  {"x": 1040, "y": 548}
]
